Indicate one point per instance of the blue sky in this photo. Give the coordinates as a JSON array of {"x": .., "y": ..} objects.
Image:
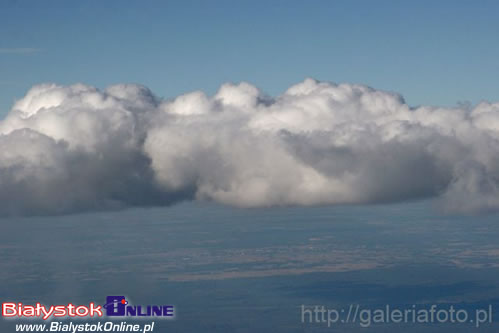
[{"x": 433, "y": 52}]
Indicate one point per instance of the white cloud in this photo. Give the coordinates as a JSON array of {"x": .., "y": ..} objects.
[{"x": 72, "y": 148}]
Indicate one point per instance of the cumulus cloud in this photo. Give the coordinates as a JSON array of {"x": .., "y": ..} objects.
[{"x": 76, "y": 148}]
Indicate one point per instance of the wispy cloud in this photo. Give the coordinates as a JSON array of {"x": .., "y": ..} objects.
[{"x": 19, "y": 50}]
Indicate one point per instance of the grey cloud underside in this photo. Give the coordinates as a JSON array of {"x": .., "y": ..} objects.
[{"x": 67, "y": 149}]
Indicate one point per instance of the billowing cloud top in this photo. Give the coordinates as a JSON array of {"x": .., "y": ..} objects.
[{"x": 75, "y": 148}]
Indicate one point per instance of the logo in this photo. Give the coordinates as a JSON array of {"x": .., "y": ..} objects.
[
  {"x": 21, "y": 310},
  {"x": 118, "y": 306},
  {"x": 115, "y": 306}
]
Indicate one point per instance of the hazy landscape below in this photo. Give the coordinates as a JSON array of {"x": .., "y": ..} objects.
[{"x": 246, "y": 270}]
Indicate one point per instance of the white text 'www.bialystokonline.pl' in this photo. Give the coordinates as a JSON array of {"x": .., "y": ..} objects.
[{"x": 88, "y": 327}]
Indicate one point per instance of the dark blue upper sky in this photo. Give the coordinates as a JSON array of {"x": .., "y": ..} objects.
[{"x": 433, "y": 52}]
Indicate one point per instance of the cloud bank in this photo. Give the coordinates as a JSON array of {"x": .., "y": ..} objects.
[{"x": 67, "y": 149}]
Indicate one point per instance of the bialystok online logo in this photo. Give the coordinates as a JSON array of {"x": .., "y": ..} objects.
[{"x": 115, "y": 306}]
